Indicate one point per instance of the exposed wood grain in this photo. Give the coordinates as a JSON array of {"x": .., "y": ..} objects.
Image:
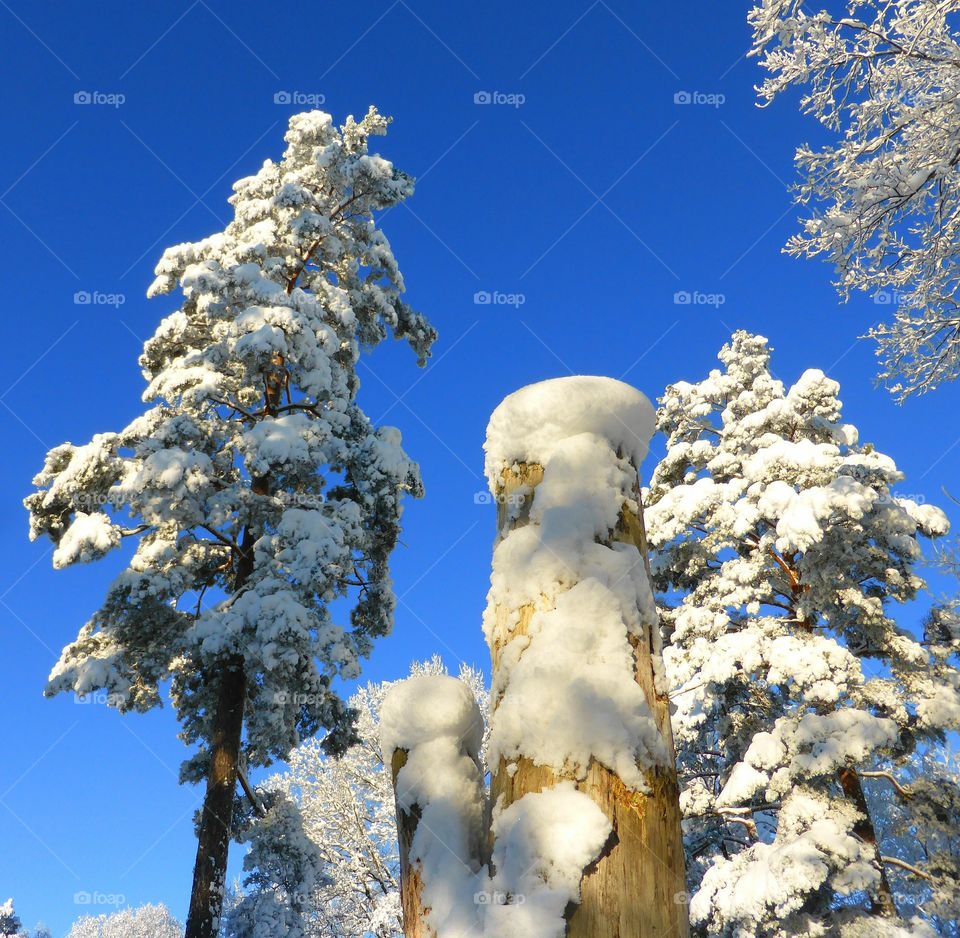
[{"x": 636, "y": 888}]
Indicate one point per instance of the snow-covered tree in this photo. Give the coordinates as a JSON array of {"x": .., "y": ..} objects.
[
  {"x": 918, "y": 819},
  {"x": 147, "y": 921},
  {"x": 255, "y": 487},
  {"x": 883, "y": 198},
  {"x": 284, "y": 869},
  {"x": 9, "y": 920},
  {"x": 779, "y": 545},
  {"x": 346, "y": 804}
]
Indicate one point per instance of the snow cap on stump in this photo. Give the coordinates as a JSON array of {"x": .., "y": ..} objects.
[
  {"x": 422, "y": 709},
  {"x": 531, "y": 422}
]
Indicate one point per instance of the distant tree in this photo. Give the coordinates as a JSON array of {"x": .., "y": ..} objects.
[
  {"x": 284, "y": 868},
  {"x": 147, "y": 921},
  {"x": 9, "y": 920},
  {"x": 919, "y": 821},
  {"x": 779, "y": 545},
  {"x": 347, "y": 810},
  {"x": 256, "y": 489},
  {"x": 882, "y": 200}
]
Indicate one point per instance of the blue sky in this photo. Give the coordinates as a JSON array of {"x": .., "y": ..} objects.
[{"x": 582, "y": 188}]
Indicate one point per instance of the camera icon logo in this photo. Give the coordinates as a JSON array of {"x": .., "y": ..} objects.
[
  {"x": 483, "y": 97},
  {"x": 282, "y": 97}
]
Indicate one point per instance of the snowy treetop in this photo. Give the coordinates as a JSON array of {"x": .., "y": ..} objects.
[
  {"x": 257, "y": 490},
  {"x": 528, "y": 424},
  {"x": 780, "y": 549}
]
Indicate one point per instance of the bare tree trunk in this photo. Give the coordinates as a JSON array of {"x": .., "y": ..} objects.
[
  {"x": 637, "y": 887},
  {"x": 882, "y": 904},
  {"x": 206, "y": 900},
  {"x": 411, "y": 882}
]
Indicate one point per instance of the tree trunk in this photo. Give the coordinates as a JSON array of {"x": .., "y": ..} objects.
[
  {"x": 216, "y": 820},
  {"x": 206, "y": 900},
  {"x": 637, "y": 887},
  {"x": 411, "y": 882},
  {"x": 882, "y": 904}
]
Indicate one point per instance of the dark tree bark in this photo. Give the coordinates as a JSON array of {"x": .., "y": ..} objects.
[
  {"x": 881, "y": 904},
  {"x": 213, "y": 843}
]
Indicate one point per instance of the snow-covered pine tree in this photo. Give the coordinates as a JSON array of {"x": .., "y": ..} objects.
[
  {"x": 779, "y": 544},
  {"x": 347, "y": 809},
  {"x": 255, "y": 487}
]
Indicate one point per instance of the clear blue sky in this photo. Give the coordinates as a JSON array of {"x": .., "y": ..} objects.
[{"x": 597, "y": 199}]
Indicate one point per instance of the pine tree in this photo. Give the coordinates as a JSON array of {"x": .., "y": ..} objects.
[
  {"x": 779, "y": 545},
  {"x": 255, "y": 487}
]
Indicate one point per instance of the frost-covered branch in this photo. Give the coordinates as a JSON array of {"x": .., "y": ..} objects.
[
  {"x": 883, "y": 199},
  {"x": 886, "y": 776},
  {"x": 909, "y": 867}
]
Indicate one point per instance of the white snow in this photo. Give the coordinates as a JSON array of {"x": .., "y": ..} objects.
[
  {"x": 570, "y": 693},
  {"x": 89, "y": 537},
  {"x": 589, "y": 593},
  {"x": 543, "y": 843},
  {"x": 530, "y": 422},
  {"x": 436, "y": 719},
  {"x": 428, "y": 707}
]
